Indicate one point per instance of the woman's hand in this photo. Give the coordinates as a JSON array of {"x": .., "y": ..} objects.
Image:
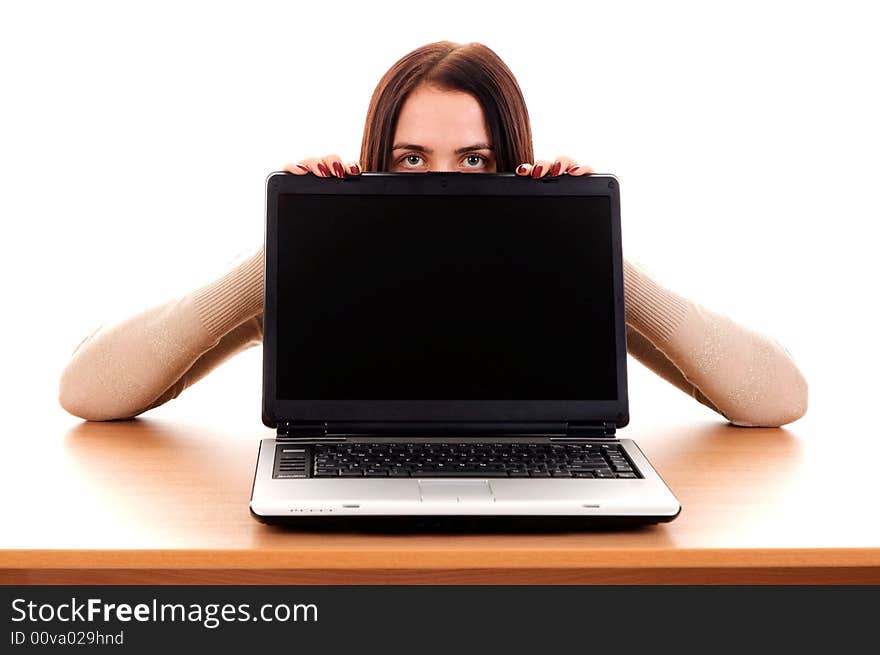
[
  {"x": 562, "y": 165},
  {"x": 324, "y": 167}
]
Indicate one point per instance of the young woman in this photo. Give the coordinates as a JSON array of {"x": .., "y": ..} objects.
[{"x": 442, "y": 107}]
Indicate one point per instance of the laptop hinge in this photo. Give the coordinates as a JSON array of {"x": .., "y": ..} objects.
[
  {"x": 576, "y": 431},
  {"x": 322, "y": 431},
  {"x": 295, "y": 431}
]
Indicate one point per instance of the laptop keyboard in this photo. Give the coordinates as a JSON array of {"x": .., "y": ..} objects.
[{"x": 431, "y": 460}]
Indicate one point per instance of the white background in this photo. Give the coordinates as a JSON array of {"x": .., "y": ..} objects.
[{"x": 135, "y": 138}]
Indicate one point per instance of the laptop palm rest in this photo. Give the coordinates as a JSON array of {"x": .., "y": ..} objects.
[{"x": 455, "y": 490}]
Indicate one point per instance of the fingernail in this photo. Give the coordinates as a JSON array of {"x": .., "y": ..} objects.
[
  {"x": 337, "y": 167},
  {"x": 572, "y": 170},
  {"x": 537, "y": 171},
  {"x": 555, "y": 169},
  {"x": 355, "y": 169},
  {"x": 522, "y": 168},
  {"x": 323, "y": 170},
  {"x": 302, "y": 168}
]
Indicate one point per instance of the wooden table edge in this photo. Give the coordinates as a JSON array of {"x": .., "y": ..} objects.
[{"x": 634, "y": 566}]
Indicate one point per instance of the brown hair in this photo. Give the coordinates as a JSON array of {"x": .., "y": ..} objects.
[{"x": 472, "y": 68}]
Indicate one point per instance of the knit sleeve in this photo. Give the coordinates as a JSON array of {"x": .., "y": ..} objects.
[
  {"x": 129, "y": 366},
  {"x": 745, "y": 376}
]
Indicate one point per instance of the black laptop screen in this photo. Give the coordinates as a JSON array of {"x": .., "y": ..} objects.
[{"x": 423, "y": 297}]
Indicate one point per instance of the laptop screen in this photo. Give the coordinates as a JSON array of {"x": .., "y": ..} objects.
[{"x": 430, "y": 297}]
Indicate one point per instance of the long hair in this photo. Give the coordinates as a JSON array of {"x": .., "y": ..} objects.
[{"x": 472, "y": 68}]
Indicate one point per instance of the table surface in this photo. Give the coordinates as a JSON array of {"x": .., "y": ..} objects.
[{"x": 163, "y": 499}]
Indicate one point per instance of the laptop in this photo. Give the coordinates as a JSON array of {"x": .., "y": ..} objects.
[{"x": 447, "y": 345}]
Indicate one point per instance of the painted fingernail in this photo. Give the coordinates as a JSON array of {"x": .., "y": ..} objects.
[
  {"x": 537, "y": 171},
  {"x": 572, "y": 170},
  {"x": 337, "y": 168},
  {"x": 554, "y": 170},
  {"x": 303, "y": 168},
  {"x": 355, "y": 169},
  {"x": 522, "y": 168},
  {"x": 323, "y": 170}
]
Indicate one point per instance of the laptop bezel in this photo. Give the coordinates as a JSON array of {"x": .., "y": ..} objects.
[{"x": 276, "y": 410}]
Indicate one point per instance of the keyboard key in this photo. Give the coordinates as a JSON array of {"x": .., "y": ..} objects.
[{"x": 459, "y": 474}]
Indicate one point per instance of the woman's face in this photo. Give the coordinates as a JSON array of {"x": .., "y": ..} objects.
[{"x": 440, "y": 130}]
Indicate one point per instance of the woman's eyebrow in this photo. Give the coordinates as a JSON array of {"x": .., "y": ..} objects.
[
  {"x": 412, "y": 146},
  {"x": 476, "y": 146}
]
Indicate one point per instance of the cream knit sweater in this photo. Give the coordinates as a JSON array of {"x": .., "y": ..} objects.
[{"x": 130, "y": 366}]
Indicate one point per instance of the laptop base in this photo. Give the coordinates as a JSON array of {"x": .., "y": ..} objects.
[{"x": 462, "y": 523}]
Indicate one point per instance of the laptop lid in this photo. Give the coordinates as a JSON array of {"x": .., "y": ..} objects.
[{"x": 443, "y": 297}]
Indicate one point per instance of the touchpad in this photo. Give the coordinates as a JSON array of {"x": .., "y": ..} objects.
[{"x": 462, "y": 491}]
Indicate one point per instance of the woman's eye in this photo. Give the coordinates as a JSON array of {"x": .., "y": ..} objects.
[
  {"x": 474, "y": 160},
  {"x": 409, "y": 160}
]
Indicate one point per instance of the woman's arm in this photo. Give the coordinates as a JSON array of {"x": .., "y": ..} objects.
[
  {"x": 127, "y": 367},
  {"x": 745, "y": 376}
]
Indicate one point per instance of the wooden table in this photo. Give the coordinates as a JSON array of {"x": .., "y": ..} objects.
[{"x": 164, "y": 499}]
